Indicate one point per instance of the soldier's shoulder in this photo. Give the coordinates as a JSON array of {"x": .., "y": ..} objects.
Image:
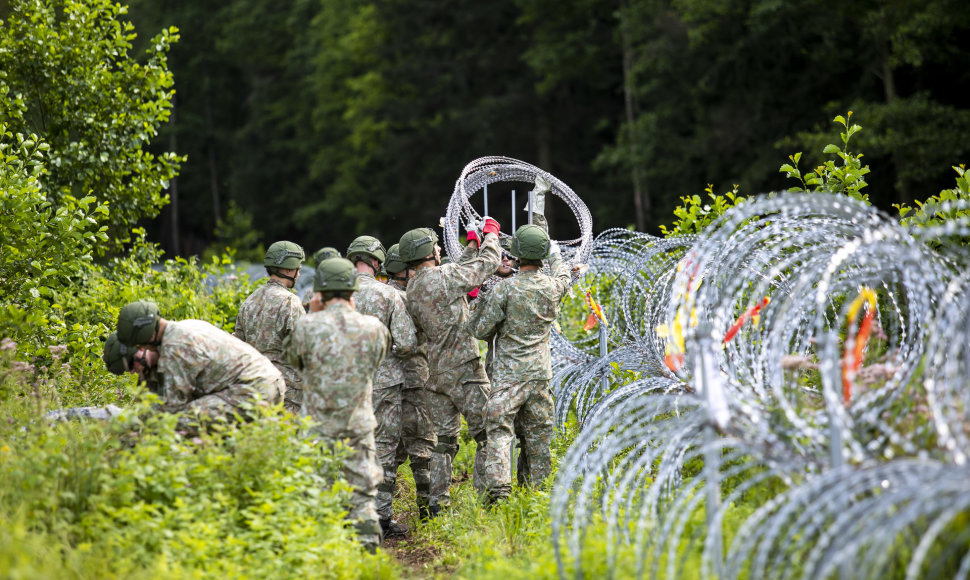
[{"x": 369, "y": 323}]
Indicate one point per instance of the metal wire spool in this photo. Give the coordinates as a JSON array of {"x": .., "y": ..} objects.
[{"x": 488, "y": 170}]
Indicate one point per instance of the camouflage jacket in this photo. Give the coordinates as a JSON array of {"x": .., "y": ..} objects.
[
  {"x": 338, "y": 351},
  {"x": 387, "y": 305},
  {"x": 436, "y": 299},
  {"x": 416, "y": 367},
  {"x": 265, "y": 319},
  {"x": 198, "y": 359},
  {"x": 520, "y": 311}
]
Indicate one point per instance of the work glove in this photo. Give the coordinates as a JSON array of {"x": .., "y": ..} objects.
[
  {"x": 579, "y": 270},
  {"x": 474, "y": 293},
  {"x": 554, "y": 248},
  {"x": 471, "y": 231},
  {"x": 491, "y": 226},
  {"x": 537, "y": 197}
]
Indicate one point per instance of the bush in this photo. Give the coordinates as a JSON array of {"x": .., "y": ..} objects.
[{"x": 132, "y": 497}]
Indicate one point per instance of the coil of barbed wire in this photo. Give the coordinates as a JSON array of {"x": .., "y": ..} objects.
[{"x": 488, "y": 170}]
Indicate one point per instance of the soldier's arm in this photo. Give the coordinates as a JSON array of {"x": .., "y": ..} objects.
[
  {"x": 560, "y": 274},
  {"x": 540, "y": 220},
  {"x": 465, "y": 277},
  {"x": 488, "y": 314},
  {"x": 182, "y": 372},
  {"x": 240, "y": 330},
  {"x": 403, "y": 333},
  {"x": 468, "y": 254},
  {"x": 291, "y": 353},
  {"x": 294, "y": 311},
  {"x": 385, "y": 340}
]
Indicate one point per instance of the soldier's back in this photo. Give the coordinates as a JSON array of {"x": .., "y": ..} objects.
[
  {"x": 266, "y": 317},
  {"x": 198, "y": 359},
  {"x": 338, "y": 351}
]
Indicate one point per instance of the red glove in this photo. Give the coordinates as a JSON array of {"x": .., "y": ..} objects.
[
  {"x": 491, "y": 226},
  {"x": 472, "y": 235},
  {"x": 473, "y": 294}
]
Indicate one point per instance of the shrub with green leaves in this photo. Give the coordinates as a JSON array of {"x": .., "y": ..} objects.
[
  {"x": 132, "y": 497},
  {"x": 67, "y": 76}
]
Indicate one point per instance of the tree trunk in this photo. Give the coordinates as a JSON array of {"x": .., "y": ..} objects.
[
  {"x": 174, "y": 187},
  {"x": 899, "y": 157},
  {"x": 641, "y": 201},
  {"x": 211, "y": 150}
]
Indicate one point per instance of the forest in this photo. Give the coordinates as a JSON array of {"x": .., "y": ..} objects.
[{"x": 288, "y": 120}]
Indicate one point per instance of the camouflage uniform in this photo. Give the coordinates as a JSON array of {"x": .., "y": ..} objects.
[
  {"x": 417, "y": 430},
  {"x": 520, "y": 311},
  {"x": 210, "y": 372},
  {"x": 265, "y": 319},
  {"x": 436, "y": 299},
  {"x": 387, "y": 305},
  {"x": 338, "y": 351}
]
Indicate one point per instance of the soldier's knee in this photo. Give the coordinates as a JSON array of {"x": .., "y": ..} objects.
[{"x": 447, "y": 444}]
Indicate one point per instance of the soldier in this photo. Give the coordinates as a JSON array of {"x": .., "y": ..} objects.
[
  {"x": 209, "y": 373},
  {"x": 520, "y": 311},
  {"x": 384, "y": 303},
  {"x": 339, "y": 350},
  {"x": 319, "y": 256},
  {"x": 417, "y": 431},
  {"x": 436, "y": 299},
  {"x": 119, "y": 359},
  {"x": 268, "y": 315}
]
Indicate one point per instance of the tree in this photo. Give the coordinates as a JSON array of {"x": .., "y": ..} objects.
[{"x": 68, "y": 64}]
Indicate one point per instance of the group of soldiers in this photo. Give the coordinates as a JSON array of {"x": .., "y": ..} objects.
[{"x": 385, "y": 369}]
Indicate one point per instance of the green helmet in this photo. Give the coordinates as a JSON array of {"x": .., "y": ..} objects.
[
  {"x": 530, "y": 242},
  {"x": 137, "y": 322},
  {"x": 285, "y": 255},
  {"x": 394, "y": 264},
  {"x": 417, "y": 244},
  {"x": 366, "y": 247},
  {"x": 117, "y": 357},
  {"x": 336, "y": 275},
  {"x": 505, "y": 243},
  {"x": 323, "y": 253}
]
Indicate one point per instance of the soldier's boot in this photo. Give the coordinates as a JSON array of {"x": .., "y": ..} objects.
[
  {"x": 428, "y": 511},
  {"x": 392, "y": 529},
  {"x": 496, "y": 495},
  {"x": 441, "y": 470},
  {"x": 421, "y": 468},
  {"x": 370, "y": 535}
]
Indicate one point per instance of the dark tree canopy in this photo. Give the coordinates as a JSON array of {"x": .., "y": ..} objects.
[{"x": 324, "y": 119}]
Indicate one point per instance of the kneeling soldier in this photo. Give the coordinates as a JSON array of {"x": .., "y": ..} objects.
[{"x": 208, "y": 372}]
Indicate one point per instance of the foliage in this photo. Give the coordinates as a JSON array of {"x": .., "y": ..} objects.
[
  {"x": 933, "y": 212},
  {"x": 843, "y": 173},
  {"x": 132, "y": 497},
  {"x": 67, "y": 66},
  {"x": 694, "y": 214},
  {"x": 236, "y": 235},
  {"x": 847, "y": 178},
  {"x": 42, "y": 246}
]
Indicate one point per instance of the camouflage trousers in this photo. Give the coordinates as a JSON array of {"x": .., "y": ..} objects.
[
  {"x": 418, "y": 441},
  {"x": 525, "y": 411},
  {"x": 404, "y": 429},
  {"x": 293, "y": 400},
  {"x": 361, "y": 471},
  {"x": 228, "y": 402},
  {"x": 459, "y": 391}
]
